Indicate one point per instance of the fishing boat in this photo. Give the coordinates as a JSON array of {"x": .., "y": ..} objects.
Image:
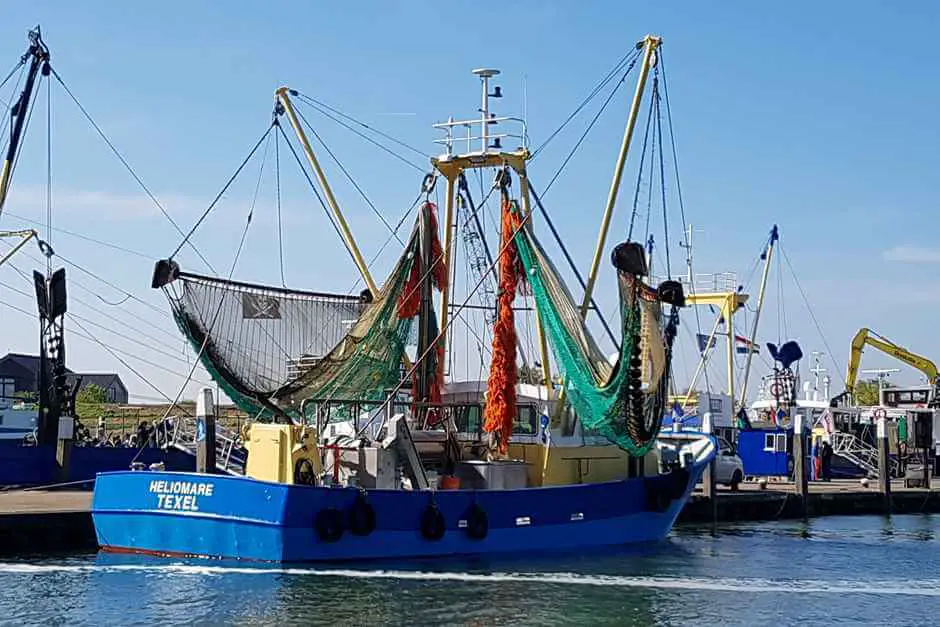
[{"x": 361, "y": 450}]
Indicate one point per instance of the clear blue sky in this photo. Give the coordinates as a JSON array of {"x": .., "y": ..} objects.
[{"x": 820, "y": 117}]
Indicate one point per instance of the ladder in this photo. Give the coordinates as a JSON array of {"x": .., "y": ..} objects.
[{"x": 860, "y": 453}]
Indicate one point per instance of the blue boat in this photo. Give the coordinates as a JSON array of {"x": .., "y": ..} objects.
[
  {"x": 190, "y": 514},
  {"x": 361, "y": 450}
]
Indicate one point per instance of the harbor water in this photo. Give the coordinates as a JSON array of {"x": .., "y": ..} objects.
[{"x": 847, "y": 570}]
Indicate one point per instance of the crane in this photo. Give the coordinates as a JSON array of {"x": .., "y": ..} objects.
[{"x": 867, "y": 336}]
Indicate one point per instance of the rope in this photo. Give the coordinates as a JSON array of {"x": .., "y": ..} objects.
[
  {"x": 639, "y": 176},
  {"x": 662, "y": 170},
  {"x": 223, "y": 190},
  {"x": 127, "y": 165}
]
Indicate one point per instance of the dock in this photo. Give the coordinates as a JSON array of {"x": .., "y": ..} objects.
[{"x": 39, "y": 522}]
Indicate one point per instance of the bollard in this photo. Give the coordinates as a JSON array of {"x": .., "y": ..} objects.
[
  {"x": 63, "y": 447},
  {"x": 708, "y": 477},
  {"x": 884, "y": 473},
  {"x": 799, "y": 462},
  {"x": 205, "y": 432}
]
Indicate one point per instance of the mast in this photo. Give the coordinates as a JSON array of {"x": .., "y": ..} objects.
[
  {"x": 351, "y": 246},
  {"x": 650, "y": 43},
  {"x": 768, "y": 257},
  {"x": 38, "y": 55},
  {"x": 490, "y": 154}
]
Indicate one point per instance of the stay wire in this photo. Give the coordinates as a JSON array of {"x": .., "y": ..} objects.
[
  {"x": 590, "y": 126},
  {"x": 349, "y": 177},
  {"x": 16, "y": 67},
  {"x": 662, "y": 172},
  {"x": 277, "y": 184},
  {"x": 364, "y": 136},
  {"x": 310, "y": 182},
  {"x": 127, "y": 166},
  {"x": 685, "y": 227},
  {"x": 388, "y": 240},
  {"x": 639, "y": 176},
  {"x": 635, "y": 53},
  {"x": 222, "y": 191},
  {"x": 313, "y": 101},
  {"x": 571, "y": 263},
  {"x": 49, "y": 173}
]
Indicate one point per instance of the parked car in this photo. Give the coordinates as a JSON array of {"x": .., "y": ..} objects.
[{"x": 729, "y": 470}]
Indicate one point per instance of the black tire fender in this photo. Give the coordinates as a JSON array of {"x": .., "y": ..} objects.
[
  {"x": 478, "y": 523},
  {"x": 433, "y": 524},
  {"x": 329, "y": 524},
  {"x": 361, "y": 516}
]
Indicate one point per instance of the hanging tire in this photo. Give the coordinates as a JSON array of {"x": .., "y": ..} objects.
[
  {"x": 677, "y": 483},
  {"x": 657, "y": 496},
  {"x": 478, "y": 523},
  {"x": 361, "y": 516},
  {"x": 329, "y": 524},
  {"x": 433, "y": 525}
]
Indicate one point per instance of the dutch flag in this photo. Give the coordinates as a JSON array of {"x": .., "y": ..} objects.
[{"x": 743, "y": 345}]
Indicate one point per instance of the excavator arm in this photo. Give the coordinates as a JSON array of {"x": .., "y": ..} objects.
[{"x": 867, "y": 336}]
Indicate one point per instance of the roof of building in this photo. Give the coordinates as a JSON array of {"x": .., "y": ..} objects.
[
  {"x": 27, "y": 362},
  {"x": 102, "y": 380}
]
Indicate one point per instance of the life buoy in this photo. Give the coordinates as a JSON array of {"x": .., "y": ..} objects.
[
  {"x": 361, "y": 516},
  {"x": 478, "y": 523},
  {"x": 329, "y": 524},
  {"x": 432, "y": 523}
]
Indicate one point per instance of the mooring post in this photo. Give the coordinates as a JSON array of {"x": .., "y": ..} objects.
[
  {"x": 799, "y": 462},
  {"x": 63, "y": 447},
  {"x": 708, "y": 477},
  {"x": 884, "y": 472},
  {"x": 205, "y": 432}
]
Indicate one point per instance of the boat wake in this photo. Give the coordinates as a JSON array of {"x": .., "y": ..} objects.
[{"x": 919, "y": 588}]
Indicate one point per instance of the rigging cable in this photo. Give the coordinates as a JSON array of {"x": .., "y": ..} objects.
[
  {"x": 662, "y": 170},
  {"x": 811, "y": 314},
  {"x": 685, "y": 228},
  {"x": 351, "y": 179},
  {"x": 639, "y": 176},
  {"x": 221, "y": 192},
  {"x": 313, "y": 102},
  {"x": 127, "y": 165},
  {"x": 590, "y": 126},
  {"x": 635, "y": 53},
  {"x": 277, "y": 184},
  {"x": 571, "y": 263},
  {"x": 359, "y": 133}
]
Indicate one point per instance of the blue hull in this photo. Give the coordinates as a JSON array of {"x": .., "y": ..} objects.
[{"x": 229, "y": 517}]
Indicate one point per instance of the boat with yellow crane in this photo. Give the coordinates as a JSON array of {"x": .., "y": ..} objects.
[{"x": 360, "y": 450}]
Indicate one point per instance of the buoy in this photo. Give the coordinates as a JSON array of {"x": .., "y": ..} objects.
[
  {"x": 762, "y": 483},
  {"x": 864, "y": 482},
  {"x": 450, "y": 482},
  {"x": 329, "y": 524},
  {"x": 432, "y": 523}
]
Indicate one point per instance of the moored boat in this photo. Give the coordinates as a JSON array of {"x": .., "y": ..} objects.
[{"x": 360, "y": 462}]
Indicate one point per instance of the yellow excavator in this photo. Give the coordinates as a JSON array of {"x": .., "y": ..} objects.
[{"x": 867, "y": 336}]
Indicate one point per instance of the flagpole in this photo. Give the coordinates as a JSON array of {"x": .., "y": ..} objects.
[
  {"x": 702, "y": 361},
  {"x": 769, "y": 253}
]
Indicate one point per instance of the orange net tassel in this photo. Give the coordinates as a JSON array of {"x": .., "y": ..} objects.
[{"x": 501, "y": 386}]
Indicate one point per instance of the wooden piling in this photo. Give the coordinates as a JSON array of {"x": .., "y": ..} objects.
[{"x": 884, "y": 471}]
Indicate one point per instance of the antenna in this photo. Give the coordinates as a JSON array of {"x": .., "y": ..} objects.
[{"x": 485, "y": 76}]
